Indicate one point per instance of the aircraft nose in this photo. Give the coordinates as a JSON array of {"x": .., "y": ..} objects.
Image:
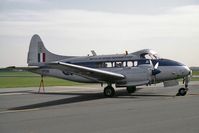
[{"x": 186, "y": 71}]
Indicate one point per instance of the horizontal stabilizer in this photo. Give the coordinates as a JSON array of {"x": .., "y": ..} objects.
[{"x": 29, "y": 68}]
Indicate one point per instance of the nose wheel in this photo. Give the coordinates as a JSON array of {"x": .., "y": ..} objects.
[{"x": 183, "y": 91}]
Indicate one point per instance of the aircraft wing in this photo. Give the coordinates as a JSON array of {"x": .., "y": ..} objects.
[{"x": 100, "y": 75}]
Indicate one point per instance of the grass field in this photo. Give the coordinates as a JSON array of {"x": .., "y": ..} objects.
[
  {"x": 195, "y": 72},
  {"x": 27, "y": 79}
]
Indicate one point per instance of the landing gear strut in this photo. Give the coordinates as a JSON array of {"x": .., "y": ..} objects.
[
  {"x": 109, "y": 91},
  {"x": 183, "y": 91}
]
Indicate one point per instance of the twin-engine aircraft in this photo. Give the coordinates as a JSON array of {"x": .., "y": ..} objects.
[{"x": 143, "y": 67}]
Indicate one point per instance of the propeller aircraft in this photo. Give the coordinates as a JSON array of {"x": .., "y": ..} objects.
[{"x": 128, "y": 70}]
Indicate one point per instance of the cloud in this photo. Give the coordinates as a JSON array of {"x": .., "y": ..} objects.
[
  {"x": 26, "y": 1},
  {"x": 190, "y": 9},
  {"x": 177, "y": 20},
  {"x": 183, "y": 18},
  {"x": 106, "y": 32}
]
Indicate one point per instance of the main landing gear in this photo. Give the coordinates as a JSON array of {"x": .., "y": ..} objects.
[{"x": 109, "y": 91}]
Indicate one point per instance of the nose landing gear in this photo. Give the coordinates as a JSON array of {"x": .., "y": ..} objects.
[{"x": 183, "y": 91}]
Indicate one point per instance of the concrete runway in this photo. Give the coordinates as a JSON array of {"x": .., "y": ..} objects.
[{"x": 84, "y": 109}]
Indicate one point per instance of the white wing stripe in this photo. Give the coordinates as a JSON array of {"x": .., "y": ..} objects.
[{"x": 92, "y": 69}]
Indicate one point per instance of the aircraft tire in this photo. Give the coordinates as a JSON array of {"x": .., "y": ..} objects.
[
  {"x": 131, "y": 89},
  {"x": 109, "y": 91},
  {"x": 182, "y": 92}
]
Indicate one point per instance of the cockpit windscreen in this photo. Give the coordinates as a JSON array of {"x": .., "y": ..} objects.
[{"x": 149, "y": 56}]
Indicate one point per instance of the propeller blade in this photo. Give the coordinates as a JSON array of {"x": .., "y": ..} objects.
[
  {"x": 151, "y": 63},
  {"x": 156, "y": 65}
]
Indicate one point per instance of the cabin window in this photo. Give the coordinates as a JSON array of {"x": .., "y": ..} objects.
[
  {"x": 125, "y": 64},
  {"x": 108, "y": 64},
  {"x": 129, "y": 64},
  {"x": 135, "y": 63},
  {"x": 119, "y": 64},
  {"x": 99, "y": 64}
]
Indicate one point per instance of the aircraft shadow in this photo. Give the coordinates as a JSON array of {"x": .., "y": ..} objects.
[
  {"x": 82, "y": 97},
  {"x": 124, "y": 94},
  {"x": 7, "y": 92}
]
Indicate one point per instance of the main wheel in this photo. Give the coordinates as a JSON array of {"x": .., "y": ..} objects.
[
  {"x": 182, "y": 92},
  {"x": 109, "y": 91},
  {"x": 131, "y": 89}
]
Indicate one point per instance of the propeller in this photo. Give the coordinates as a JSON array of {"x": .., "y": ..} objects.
[{"x": 154, "y": 71}]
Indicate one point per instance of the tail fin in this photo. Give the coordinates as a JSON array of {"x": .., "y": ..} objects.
[{"x": 38, "y": 55}]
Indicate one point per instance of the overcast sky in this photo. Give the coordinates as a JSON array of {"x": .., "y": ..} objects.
[{"x": 74, "y": 27}]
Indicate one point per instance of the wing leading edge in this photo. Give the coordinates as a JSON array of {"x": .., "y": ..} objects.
[{"x": 100, "y": 75}]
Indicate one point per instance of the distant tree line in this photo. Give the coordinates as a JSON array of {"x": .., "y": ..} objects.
[
  {"x": 194, "y": 68},
  {"x": 9, "y": 69}
]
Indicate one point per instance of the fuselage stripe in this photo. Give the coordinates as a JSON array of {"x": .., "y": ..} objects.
[
  {"x": 38, "y": 57},
  {"x": 44, "y": 57},
  {"x": 41, "y": 57}
]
